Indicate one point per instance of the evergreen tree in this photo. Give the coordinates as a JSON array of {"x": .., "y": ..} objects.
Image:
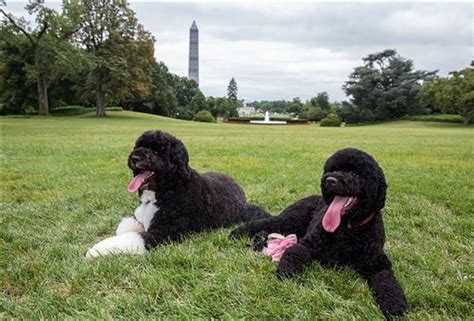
[
  {"x": 386, "y": 86},
  {"x": 232, "y": 90}
]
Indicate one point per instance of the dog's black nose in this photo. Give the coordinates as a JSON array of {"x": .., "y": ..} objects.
[
  {"x": 135, "y": 158},
  {"x": 331, "y": 181}
]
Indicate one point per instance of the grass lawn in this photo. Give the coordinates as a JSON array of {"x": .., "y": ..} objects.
[{"x": 63, "y": 188}]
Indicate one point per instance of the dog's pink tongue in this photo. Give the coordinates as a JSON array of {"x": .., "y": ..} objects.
[
  {"x": 332, "y": 218},
  {"x": 137, "y": 181}
]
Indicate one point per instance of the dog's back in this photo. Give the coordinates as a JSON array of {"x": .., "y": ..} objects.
[{"x": 229, "y": 202}]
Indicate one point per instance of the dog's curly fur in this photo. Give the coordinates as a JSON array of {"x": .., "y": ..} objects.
[
  {"x": 188, "y": 201},
  {"x": 359, "y": 238}
]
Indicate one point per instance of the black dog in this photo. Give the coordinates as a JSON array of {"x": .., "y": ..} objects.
[
  {"x": 344, "y": 227},
  {"x": 174, "y": 199}
]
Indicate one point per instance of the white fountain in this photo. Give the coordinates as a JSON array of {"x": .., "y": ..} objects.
[{"x": 267, "y": 121}]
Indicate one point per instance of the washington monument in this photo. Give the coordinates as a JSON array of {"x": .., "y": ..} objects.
[{"x": 193, "y": 70}]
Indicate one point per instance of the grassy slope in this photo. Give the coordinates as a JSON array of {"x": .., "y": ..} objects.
[{"x": 63, "y": 184}]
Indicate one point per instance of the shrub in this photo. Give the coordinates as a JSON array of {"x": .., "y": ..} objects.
[
  {"x": 448, "y": 118},
  {"x": 332, "y": 120},
  {"x": 30, "y": 110},
  {"x": 315, "y": 114},
  {"x": 204, "y": 116},
  {"x": 184, "y": 113}
]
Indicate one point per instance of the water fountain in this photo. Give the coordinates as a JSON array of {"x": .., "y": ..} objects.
[{"x": 267, "y": 121}]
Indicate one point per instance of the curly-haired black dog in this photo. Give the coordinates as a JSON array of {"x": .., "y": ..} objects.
[
  {"x": 344, "y": 227},
  {"x": 174, "y": 199}
]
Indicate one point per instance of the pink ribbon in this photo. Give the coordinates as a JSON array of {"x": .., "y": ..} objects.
[{"x": 277, "y": 244}]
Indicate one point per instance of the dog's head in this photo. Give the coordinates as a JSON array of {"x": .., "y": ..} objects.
[
  {"x": 353, "y": 185},
  {"x": 156, "y": 156}
]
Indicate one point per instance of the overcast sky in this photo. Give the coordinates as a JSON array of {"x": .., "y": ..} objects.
[{"x": 281, "y": 51}]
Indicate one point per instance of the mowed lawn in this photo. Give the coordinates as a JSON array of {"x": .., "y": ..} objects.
[{"x": 63, "y": 188}]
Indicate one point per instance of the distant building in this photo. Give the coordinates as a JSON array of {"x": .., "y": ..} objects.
[
  {"x": 245, "y": 111},
  {"x": 193, "y": 69}
]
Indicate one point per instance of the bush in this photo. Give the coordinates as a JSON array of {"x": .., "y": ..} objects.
[
  {"x": 315, "y": 114},
  {"x": 184, "y": 113},
  {"x": 447, "y": 118},
  {"x": 204, "y": 116},
  {"x": 30, "y": 110},
  {"x": 332, "y": 120}
]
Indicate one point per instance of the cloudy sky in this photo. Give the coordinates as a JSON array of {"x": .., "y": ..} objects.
[{"x": 281, "y": 51}]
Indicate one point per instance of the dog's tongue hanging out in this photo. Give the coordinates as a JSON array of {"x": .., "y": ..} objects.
[
  {"x": 137, "y": 181},
  {"x": 332, "y": 218}
]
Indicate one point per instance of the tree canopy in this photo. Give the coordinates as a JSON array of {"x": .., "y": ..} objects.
[
  {"x": 121, "y": 51},
  {"x": 452, "y": 94},
  {"x": 385, "y": 87},
  {"x": 47, "y": 41}
]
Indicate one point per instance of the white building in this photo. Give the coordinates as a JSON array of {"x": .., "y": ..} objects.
[{"x": 245, "y": 111}]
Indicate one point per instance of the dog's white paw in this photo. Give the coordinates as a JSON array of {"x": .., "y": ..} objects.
[
  {"x": 129, "y": 224},
  {"x": 126, "y": 243}
]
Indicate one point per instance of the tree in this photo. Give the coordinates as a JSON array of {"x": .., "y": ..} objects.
[
  {"x": 17, "y": 90},
  {"x": 164, "y": 100},
  {"x": 232, "y": 90},
  {"x": 321, "y": 101},
  {"x": 47, "y": 42},
  {"x": 386, "y": 86},
  {"x": 222, "y": 107},
  {"x": 452, "y": 94},
  {"x": 198, "y": 102},
  {"x": 295, "y": 106},
  {"x": 185, "y": 90},
  {"x": 121, "y": 50}
]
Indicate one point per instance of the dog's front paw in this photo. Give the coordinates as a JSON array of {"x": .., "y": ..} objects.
[
  {"x": 293, "y": 261},
  {"x": 92, "y": 253},
  {"x": 129, "y": 224},
  {"x": 259, "y": 241},
  {"x": 126, "y": 243}
]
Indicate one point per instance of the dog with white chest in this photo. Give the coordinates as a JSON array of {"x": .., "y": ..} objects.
[{"x": 175, "y": 200}]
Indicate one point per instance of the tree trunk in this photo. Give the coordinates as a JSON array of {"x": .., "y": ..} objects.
[
  {"x": 466, "y": 115},
  {"x": 465, "y": 120},
  {"x": 100, "y": 99},
  {"x": 43, "y": 108}
]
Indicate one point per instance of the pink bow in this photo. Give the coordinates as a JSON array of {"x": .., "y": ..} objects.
[{"x": 277, "y": 244}]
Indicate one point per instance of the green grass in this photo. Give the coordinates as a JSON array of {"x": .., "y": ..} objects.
[{"x": 63, "y": 188}]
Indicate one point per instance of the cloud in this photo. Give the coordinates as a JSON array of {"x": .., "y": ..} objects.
[{"x": 280, "y": 51}]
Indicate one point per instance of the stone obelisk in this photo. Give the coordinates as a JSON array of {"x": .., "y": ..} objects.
[{"x": 193, "y": 70}]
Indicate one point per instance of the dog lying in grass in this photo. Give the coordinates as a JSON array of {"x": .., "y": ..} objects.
[
  {"x": 174, "y": 200},
  {"x": 343, "y": 227}
]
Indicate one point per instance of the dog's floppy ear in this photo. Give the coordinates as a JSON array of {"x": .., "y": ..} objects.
[
  {"x": 382, "y": 188},
  {"x": 376, "y": 186},
  {"x": 179, "y": 157}
]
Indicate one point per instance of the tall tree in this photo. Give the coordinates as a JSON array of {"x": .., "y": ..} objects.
[
  {"x": 232, "y": 90},
  {"x": 452, "y": 94},
  {"x": 186, "y": 89},
  {"x": 46, "y": 42},
  {"x": 164, "y": 98},
  {"x": 295, "y": 106},
  {"x": 121, "y": 50},
  {"x": 321, "y": 100},
  {"x": 386, "y": 86}
]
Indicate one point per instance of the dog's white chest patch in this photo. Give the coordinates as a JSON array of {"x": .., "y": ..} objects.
[{"x": 145, "y": 212}]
